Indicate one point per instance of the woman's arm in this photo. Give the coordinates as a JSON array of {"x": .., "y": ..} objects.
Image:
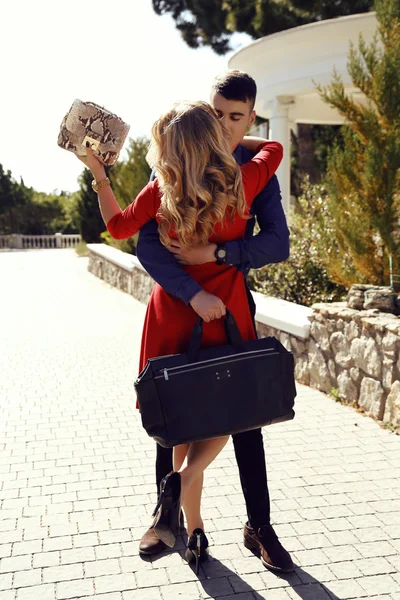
[
  {"x": 122, "y": 224},
  {"x": 107, "y": 201},
  {"x": 252, "y": 143},
  {"x": 259, "y": 170}
]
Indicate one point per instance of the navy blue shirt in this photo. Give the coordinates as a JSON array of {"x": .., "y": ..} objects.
[{"x": 270, "y": 245}]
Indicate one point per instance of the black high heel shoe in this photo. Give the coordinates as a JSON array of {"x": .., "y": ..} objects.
[
  {"x": 168, "y": 508},
  {"x": 197, "y": 548}
]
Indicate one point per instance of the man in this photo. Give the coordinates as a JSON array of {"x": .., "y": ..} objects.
[{"x": 233, "y": 97}]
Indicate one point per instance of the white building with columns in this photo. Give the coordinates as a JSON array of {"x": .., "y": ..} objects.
[{"x": 286, "y": 67}]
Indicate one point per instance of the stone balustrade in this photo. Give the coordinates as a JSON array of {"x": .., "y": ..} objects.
[
  {"x": 353, "y": 354},
  {"x": 26, "y": 242}
]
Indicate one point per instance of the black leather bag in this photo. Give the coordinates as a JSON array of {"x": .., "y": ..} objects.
[{"x": 211, "y": 392}]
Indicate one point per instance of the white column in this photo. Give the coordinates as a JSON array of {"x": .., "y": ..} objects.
[
  {"x": 263, "y": 130},
  {"x": 279, "y": 129}
]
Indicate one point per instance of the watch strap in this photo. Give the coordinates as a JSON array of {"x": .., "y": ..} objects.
[{"x": 100, "y": 184}]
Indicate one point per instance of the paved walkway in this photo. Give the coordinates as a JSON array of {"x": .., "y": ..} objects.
[{"x": 77, "y": 470}]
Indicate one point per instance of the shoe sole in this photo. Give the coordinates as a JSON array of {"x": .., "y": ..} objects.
[
  {"x": 255, "y": 548},
  {"x": 162, "y": 525},
  {"x": 166, "y": 536},
  {"x": 150, "y": 552}
]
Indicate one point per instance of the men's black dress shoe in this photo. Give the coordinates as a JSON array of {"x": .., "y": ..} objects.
[{"x": 265, "y": 544}]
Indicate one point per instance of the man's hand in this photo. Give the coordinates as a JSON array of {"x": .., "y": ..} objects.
[
  {"x": 198, "y": 255},
  {"x": 207, "y": 306}
]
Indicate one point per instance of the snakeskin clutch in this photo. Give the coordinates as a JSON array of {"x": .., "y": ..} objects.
[{"x": 89, "y": 122}]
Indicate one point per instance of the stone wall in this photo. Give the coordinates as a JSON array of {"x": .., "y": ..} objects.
[
  {"x": 296, "y": 345},
  {"x": 126, "y": 274},
  {"x": 357, "y": 352}
]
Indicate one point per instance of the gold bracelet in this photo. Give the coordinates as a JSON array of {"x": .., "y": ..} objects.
[{"x": 100, "y": 184}]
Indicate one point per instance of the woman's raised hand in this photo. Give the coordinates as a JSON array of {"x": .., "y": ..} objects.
[{"x": 90, "y": 161}]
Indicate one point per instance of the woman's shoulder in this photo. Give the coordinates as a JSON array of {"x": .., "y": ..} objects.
[{"x": 151, "y": 189}]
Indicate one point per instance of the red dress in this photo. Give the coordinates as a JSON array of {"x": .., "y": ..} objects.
[{"x": 169, "y": 322}]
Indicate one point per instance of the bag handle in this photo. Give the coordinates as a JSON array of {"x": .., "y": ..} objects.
[{"x": 232, "y": 333}]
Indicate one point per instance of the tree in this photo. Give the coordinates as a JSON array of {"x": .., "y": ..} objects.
[
  {"x": 15, "y": 204},
  {"x": 90, "y": 221},
  {"x": 363, "y": 176},
  {"x": 7, "y": 202},
  {"x": 128, "y": 178},
  {"x": 50, "y": 213},
  {"x": 212, "y": 22},
  {"x": 26, "y": 211},
  {"x": 309, "y": 153}
]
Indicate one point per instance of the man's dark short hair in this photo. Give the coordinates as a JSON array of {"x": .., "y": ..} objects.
[{"x": 236, "y": 85}]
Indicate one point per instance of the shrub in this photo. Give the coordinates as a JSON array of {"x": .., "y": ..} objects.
[{"x": 303, "y": 277}]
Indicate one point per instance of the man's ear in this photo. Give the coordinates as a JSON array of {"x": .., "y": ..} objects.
[{"x": 252, "y": 118}]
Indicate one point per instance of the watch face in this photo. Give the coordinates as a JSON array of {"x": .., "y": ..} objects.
[{"x": 221, "y": 253}]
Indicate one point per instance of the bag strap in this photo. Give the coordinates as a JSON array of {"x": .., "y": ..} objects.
[
  {"x": 195, "y": 340},
  {"x": 232, "y": 333}
]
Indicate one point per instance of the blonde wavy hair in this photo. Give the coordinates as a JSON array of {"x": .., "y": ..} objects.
[{"x": 198, "y": 177}]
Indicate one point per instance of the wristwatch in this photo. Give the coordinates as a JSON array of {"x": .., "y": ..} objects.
[{"x": 220, "y": 254}]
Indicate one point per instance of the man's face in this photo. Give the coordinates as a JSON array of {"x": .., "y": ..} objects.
[{"x": 236, "y": 116}]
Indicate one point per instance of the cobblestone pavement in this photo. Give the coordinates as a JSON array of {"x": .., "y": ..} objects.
[{"x": 77, "y": 470}]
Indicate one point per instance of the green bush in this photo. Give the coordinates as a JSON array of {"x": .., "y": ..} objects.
[
  {"x": 303, "y": 278},
  {"x": 81, "y": 249}
]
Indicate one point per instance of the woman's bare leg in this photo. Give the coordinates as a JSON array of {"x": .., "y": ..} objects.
[
  {"x": 191, "y": 504},
  {"x": 191, "y": 501},
  {"x": 178, "y": 455},
  {"x": 199, "y": 456}
]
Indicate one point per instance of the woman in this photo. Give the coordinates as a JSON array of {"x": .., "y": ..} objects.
[{"x": 200, "y": 195}]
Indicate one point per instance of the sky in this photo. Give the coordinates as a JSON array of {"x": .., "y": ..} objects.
[{"x": 119, "y": 54}]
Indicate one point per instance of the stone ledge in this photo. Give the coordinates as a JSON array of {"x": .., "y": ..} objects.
[
  {"x": 283, "y": 315},
  {"x": 119, "y": 258}
]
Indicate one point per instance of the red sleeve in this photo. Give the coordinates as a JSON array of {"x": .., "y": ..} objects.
[
  {"x": 126, "y": 223},
  {"x": 258, "y": 171}
]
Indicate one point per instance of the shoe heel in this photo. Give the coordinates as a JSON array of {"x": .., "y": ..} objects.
[
  {"x": 197, "y": 563},
  {"x": 191, "y": 555},
  {"x": 161, "y": 497},
  {"x": 155, "y": 511}
]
